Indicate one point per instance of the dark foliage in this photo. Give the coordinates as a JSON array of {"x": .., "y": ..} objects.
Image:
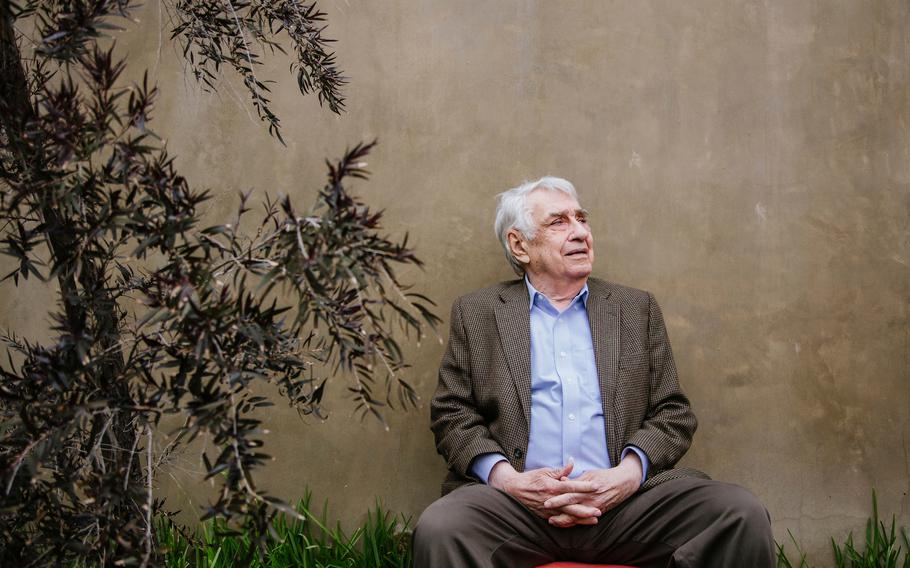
[{"x": 157, "y": 314}]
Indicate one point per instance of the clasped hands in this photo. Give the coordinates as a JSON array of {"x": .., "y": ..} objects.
[{"x": 564, "y": 502}]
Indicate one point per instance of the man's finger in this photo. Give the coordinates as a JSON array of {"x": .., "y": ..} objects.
[
  {"x": 577, "y": 486},
  {"x": 561, "y": 500},
  {"x": 566, "y": 521},
  {"x": 566, "y": 470},
  {"x": 562, "y": 521},
  {"x": 565, "y": 499},
  {"x": 585, "y": 520},
  {"x": 580, "y": 511}
]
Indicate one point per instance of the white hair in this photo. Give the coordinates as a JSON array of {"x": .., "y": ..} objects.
[{"x": 514, "y": 212}]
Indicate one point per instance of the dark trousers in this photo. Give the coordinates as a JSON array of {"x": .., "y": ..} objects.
[{"x": 689, "y": 522}]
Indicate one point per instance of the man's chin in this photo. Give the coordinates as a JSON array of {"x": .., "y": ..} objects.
[{"x": 578, "y": 272}]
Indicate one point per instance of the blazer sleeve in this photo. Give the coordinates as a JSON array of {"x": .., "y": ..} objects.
[
  {"x": 461, "y": 431},
  {"x": 668, "y": 427}
]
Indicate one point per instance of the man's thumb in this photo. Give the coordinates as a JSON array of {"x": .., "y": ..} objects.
[{"x": 566, "y": 470}]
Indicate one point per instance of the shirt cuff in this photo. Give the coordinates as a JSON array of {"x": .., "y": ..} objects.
[
  {"x": 483, "y": 465},
  {"x": 641, "y": 455}
]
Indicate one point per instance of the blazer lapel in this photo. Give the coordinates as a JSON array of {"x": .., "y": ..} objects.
[
  {"x": 513, "y": 320},
  {"x": 603, "y": 317}
]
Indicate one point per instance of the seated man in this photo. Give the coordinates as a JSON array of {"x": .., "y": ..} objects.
[{"x": 559, "y": 414}]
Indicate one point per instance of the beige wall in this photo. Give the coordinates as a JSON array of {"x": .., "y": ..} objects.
[{"x": 747, "y": 162}]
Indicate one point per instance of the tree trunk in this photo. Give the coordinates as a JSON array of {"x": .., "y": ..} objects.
[{"x": 16, "y": 111}]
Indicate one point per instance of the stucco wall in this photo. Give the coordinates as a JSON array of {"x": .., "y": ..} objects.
[{"x": 747, "y": 162}]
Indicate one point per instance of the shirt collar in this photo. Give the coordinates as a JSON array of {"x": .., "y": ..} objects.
[{"x": 534, "y": 293}]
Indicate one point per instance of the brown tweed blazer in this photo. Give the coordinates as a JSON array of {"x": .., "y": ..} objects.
[{"x": 483, "y": 401}]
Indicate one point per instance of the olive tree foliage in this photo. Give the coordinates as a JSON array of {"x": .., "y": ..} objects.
[{"x": 157, "y": 314}]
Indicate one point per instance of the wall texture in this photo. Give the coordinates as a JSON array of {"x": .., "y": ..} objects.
[{"x": 747, "y": 162}]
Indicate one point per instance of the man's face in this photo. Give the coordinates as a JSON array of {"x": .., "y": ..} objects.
[{"x": 562, "y": 251}]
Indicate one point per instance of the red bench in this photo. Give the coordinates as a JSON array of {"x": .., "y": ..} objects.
[{"x": 580, "y": 565}]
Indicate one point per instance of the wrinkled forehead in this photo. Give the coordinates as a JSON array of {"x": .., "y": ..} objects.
[{"x": 547, "y": 203}]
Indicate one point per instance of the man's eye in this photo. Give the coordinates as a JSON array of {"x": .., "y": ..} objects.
[
  {"x": 582, "y": 219},
  {"x": 556, "y": 222}
]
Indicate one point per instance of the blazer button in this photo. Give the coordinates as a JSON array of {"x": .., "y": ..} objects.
[{"x": 518, "y": 453}]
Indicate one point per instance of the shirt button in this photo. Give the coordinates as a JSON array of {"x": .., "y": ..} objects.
[
  {"x": 571, "y": 417},
  {"x": 562, "y": 353}
]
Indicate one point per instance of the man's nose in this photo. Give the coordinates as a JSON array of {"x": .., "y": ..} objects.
[{"x": 580, "y": 230}]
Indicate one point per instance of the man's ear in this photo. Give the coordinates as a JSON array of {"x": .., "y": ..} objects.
[{"x": 519, "y": 246}]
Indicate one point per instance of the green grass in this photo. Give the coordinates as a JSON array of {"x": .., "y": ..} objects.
[
  {"x": 383, "y": 541},
  {"x": 882, "y": 548},
  {"x": 784, "y": 562}
]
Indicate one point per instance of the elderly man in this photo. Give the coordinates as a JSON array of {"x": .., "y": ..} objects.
[{"x": 559, "y": 414}]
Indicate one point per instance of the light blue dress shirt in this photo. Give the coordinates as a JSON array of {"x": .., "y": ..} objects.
[{"x": 567, "y": 418}]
